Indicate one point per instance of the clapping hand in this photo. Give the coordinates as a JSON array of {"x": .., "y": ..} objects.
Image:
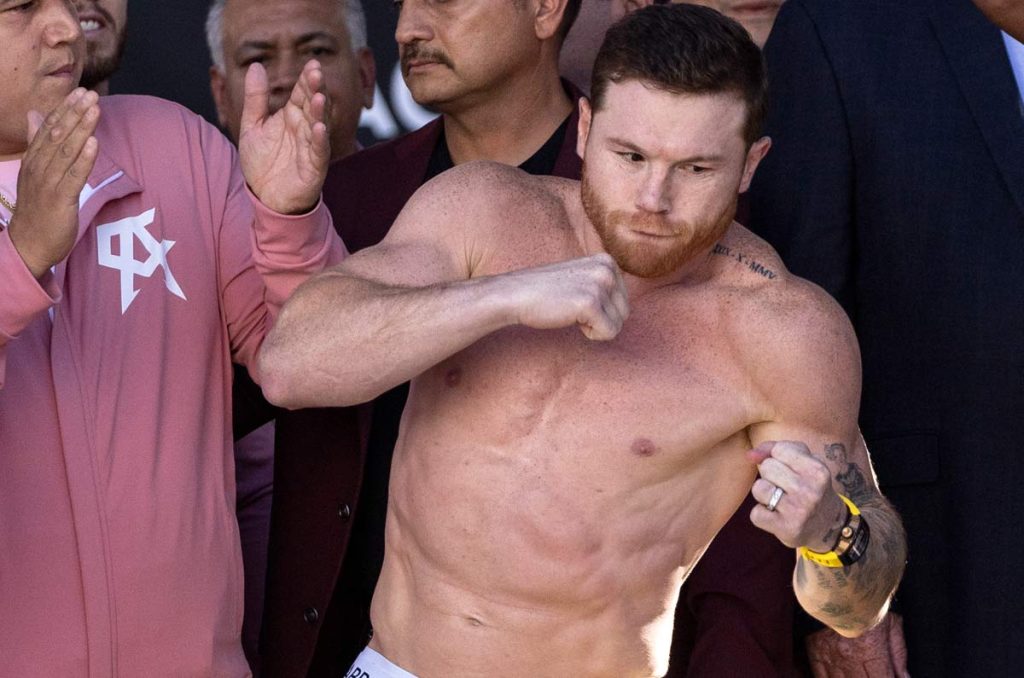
[
  {"x": 60, "y": 155},
  {"x": 284, "y": 156}
]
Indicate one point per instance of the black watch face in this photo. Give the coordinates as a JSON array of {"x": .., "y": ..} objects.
[{"x": 858, "y": 545}]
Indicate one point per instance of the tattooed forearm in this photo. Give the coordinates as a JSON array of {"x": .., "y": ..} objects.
[
  {"x": 754, "y": 266},
  {"x": 850, "y": 477},
  {"x": 856, "y": 486},
  {"x": 850, "y": 598},
  {"x": 832, "y": 535}
]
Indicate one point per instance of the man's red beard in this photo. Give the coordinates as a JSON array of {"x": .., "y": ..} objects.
[{"x": 621, "y": 235}]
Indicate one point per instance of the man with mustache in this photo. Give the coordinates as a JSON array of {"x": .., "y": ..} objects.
[
  {"x": 140, "y": 256},
  {"x": 587, "y": 387}
]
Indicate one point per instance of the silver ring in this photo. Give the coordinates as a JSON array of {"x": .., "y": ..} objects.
[{"x": 776, "y": 497}]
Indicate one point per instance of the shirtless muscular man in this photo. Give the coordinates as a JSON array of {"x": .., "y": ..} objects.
[{"x": 595, "y": 390}]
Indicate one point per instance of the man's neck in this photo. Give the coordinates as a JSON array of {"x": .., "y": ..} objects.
[{"x": 510, "y": 126}]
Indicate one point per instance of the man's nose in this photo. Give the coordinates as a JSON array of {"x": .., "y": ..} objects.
[
  {"x": 282, "y": 75},
  {"x": 61, "y": 23},
  {"x": 653, "y": 194},
  {"x": 413, "y": 23}
]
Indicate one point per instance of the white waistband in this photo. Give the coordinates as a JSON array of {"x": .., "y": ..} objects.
[{"x": 372, "y": 664}]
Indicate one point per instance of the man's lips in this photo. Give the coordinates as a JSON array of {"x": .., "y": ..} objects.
[
  {"x": 63, "y": 71},
  {"x": 421, "y": 63}
]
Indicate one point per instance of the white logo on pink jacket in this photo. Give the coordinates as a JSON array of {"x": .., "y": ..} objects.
[{"x": 126, "y": 230}]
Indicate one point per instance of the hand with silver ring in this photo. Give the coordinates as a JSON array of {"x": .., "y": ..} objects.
[{"x": 812, "y": 511}]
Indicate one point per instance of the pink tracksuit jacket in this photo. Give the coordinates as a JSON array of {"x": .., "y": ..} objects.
[{"x": 119, "y": 551}]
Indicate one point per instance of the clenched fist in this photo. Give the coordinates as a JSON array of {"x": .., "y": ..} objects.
[{"x": 587, "y": 292}]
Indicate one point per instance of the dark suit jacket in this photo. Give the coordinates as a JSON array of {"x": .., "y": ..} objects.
[
  {"x": 896, "y": 181},
  {"x": 741, "y": 621}
]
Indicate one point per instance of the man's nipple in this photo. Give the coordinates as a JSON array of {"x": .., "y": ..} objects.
[
  {"x": 644, "y": 447},
  {"x": 453, "y": 377}
]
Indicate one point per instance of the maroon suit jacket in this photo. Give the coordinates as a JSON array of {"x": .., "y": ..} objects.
[{"x": 309, "y": 626}]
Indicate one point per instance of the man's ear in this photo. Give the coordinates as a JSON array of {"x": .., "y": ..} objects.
[
  {"x": 583, "y": 129},
  {"x": 755, "y": 154},
  {"x": 547, "y": 17},
  {"x": 367, "y": 75},
  {"x": 218, "y": 88}
]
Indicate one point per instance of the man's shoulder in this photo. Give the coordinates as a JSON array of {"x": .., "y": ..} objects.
[
  {"x": 495, "y": 188},
  {"x": 773, "y": 313},
  {"x": 494, "y": 206},
  {"x": 141, "y": 112},
  {"x": 144, "y": 130}
]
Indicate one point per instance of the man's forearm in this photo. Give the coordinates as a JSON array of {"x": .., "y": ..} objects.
[
  {"x": 851, "y": 599},
  {"x": 343, "y": 340}
]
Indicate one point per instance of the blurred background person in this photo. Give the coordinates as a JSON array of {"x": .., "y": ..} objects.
[
  {"x": 577, "y": 59},
  {"x": 104, "y": 24}
]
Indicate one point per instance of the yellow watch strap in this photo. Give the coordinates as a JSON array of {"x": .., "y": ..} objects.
[{"x": 830, "y": 559}]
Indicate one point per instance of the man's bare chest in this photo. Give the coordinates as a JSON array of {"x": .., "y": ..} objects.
[{"x": 661, "y": 396}]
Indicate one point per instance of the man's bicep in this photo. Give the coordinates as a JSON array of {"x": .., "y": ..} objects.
[
  {"x": 812, "y": 382},
  {"x": 403, "y": 263}
]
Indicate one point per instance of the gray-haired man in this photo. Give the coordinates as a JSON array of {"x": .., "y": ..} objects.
[{"x": 283, "y": 35}]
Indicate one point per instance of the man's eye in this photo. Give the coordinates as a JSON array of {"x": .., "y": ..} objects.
[
  {"x": 23, "y": 7},
  {"x": 697, "y": 169},
  {"x": 249, "y": 61},
  {"x": 630, "y": 156},
  {"x": 321, "y": 51}
]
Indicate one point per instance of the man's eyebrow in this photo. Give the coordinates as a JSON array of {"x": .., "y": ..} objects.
[
  {"x": 257, "y": 44},
  {"x": 315, "y": 35},
  {"x": 250, "y": 44},
  {"x": 705, "y": 158}
]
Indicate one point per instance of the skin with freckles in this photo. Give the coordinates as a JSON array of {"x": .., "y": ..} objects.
[{"x": 580, "y": 425}]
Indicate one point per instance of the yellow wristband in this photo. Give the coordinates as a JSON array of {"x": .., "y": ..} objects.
[{"x": 852, "y": 541}]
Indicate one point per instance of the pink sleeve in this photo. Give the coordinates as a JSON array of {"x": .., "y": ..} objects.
[
  {"x": 22, "y": 297},
  {"x": 289, "y": 249},
  {"x": 262, "y": 256}
]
